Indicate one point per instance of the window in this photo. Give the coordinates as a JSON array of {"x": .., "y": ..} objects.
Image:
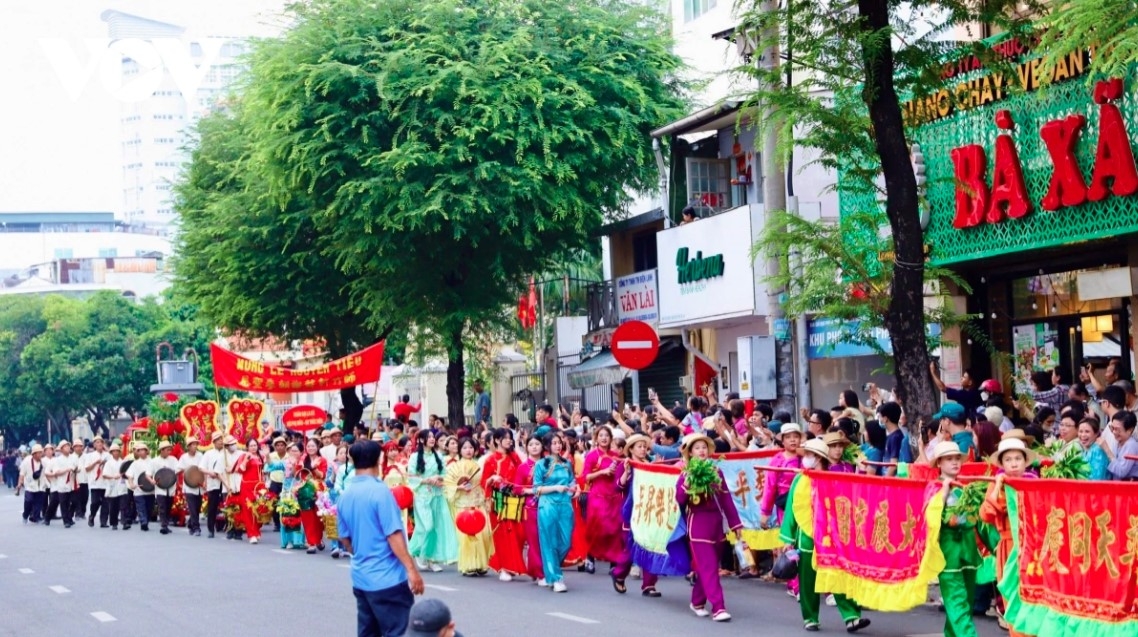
[
  {"x": 108, "y": 253},
  {"x": 695, "y": 8},
  {"x": 644, "y": 251},
  {"x": 709, "y": 185},
  {"x": 63, "y": 253}
]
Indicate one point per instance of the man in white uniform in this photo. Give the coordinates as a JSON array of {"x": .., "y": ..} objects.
[
  {"x": 82, "y": 481},
  {"x": 34, "y": 484},
  {"x": 93, "y": 463},
  {"x": 143, "y": 501},
  {"x": 213, "y": 464},
  {"x": 193, "y": 494},
  {"x": 62, "y": 480},
  {"x": 164, "y": 497},
  {"x": 116, "y": 490},
  {"x": 327, "y": 450}
]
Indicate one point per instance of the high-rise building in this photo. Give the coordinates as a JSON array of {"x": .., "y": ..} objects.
[{"x": 155, "y": 129}]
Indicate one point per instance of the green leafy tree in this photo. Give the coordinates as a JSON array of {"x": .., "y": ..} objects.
[
  {"x": 444, "y": 149},
  {"x": 1109, "y": 26},
  {"x": 866, "y": 57}
]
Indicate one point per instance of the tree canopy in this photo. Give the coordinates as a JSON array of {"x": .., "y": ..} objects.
[{"x": 419, "y": 159}]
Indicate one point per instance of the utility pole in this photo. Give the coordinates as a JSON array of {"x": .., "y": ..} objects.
[{"x": 774, "y": 198}]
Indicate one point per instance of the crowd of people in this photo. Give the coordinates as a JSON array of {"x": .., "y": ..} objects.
[{"x": 527, "y": 502}]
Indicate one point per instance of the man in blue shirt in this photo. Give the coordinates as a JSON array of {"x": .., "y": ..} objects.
[
  {"x": 481, "y": 404},
  {"x": 953, "y": 420},
  {"x": 384, "y": 577},
  {"x": 668, "y": 447}
]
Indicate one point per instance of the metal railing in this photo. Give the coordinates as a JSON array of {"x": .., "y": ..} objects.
[{"x": 602, "y": 305}]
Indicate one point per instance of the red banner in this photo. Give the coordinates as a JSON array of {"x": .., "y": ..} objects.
[
  {"x": 876, "y": 539},
  {"x": 1077, "y": 550},
  {"x": 304, "y": 418},
  {"x": 236, "y": 372}
]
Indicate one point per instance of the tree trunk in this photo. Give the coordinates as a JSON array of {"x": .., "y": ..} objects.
[
  {"x": 456, "y": 380},
  {"x": 353, "y": 408},
  {"x": 905, "y": 318}
]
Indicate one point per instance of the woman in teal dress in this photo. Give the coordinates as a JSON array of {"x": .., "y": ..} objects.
[
  {"x": 555, "y": 487},
  {"x": 339, "y": 479},
  {"x": 290, "y": 538},
  {"x": 434, "y": 542}
]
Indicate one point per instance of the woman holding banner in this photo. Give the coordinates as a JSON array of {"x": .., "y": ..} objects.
[
  {"x": 636, "y": 450},
  {"x": 798, "y": 531},
  {"x": 704, "y": 514},
  {"x": 602, "y": 469}
]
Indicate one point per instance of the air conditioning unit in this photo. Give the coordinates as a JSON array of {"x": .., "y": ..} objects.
[{"x": 685, "y": 382}]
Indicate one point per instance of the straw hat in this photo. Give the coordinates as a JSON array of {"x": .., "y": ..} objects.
[
  {"x": 217, "y": 435},
  {"x": 78, "y": 442},
  {"x": 790, "y": 428},
  {"x": 192, "y": 440},
  {"x": 64, "y": 443},
  {"x": 37, "y": 448},
  {"x": 1019, "y": 434},
  {"x": 280, "y": 439},
  {"x": 835, "y": 438},
  {"x": 944, "y": 449},
  {"x": 632, "y": 442},
  {"x": 818, "y": 447},
  {"x": 230, "y": 440},
  {"x": 691, "y": 439},
  {"x": 165, "y": 444},
  {"x": 140, "y": 446},
  {"x": 116, "y": 446},
  {"x": 1013, "y": 444}
]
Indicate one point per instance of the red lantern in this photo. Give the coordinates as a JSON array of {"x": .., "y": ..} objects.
[
  {"x": 470, "y": 521},
  {"x": 165, "y": 429},
  {"x": 404, "y": 497},
  {"x": 170, "y": 397},
  {"x": 179, "y": 427}
]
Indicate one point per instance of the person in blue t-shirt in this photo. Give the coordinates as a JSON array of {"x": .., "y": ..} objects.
[
  {"x": 954, "y": 420},
  {"x": 384, "y": 577}
]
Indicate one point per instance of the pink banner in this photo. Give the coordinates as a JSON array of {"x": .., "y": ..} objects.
[{"x": 876, "y": 538}]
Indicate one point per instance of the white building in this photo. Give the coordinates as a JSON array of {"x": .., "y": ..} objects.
[{"x": 154, "y": 129}]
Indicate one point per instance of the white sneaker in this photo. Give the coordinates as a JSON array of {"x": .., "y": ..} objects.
[
  {"x": 830, "y": 601},
  {"x": 721, "y": 616},
  {"x": 542, "y": 583},
  {"x": 635, "y": 572},
  {"x": 559, "y": 587},
  {"x": 699, "y": 611},
  {"x": 421, "y": 564},
  {"x": 505, "y": 577},
  {"x": 435, "y": 567},
  {"x": 254, "y": 540}
]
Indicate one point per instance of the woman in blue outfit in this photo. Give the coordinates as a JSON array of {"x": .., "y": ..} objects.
[
  {"x": 435, "y": 542},
  {"x": 294, "y": 538},
  {"x": 555, "y": 487}
]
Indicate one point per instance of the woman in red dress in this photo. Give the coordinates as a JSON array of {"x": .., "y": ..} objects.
[
  {"x": 499, "y": 471},
  {"x": 523, "y": 478},
  {"x": 250, "y": 467},
  {"x": 602, "y": 471},
  {"x": 316, "y": 467}
]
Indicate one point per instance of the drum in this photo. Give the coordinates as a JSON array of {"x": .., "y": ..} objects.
[
  {"x": 145, "y": 484},
  {"x": 194, "y": 477},
  {"x": 509, "y": 507},
  {"x": 165, "y": 478}
]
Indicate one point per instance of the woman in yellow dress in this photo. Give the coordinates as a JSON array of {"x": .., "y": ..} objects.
[{"x": 464, "y": 493}]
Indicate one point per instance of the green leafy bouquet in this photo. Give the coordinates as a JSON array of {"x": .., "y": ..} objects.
[{"x": 701, "y": 477}]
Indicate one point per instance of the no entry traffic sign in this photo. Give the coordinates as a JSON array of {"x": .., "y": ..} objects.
[{"x": 635, "y": 345}]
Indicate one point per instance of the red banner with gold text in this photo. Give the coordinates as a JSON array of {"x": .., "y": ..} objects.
[
  {"x": 237, "y": 372},
  {"x": 1076, "y": 546}
]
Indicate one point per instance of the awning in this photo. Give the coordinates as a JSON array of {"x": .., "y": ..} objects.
[
  {"x": 711, "y": 118},
  {"x": 601, "y": 369}
]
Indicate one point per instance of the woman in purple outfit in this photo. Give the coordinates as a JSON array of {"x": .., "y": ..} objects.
[
  {"x": 636, "y": 449},
  {"x": 704, "y": 517}
]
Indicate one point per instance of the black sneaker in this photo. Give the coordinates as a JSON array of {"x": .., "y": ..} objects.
[
  {"x": 164, "y": 531},
  {"x": 91, "y": 522},
  {"x": 145, "y": 527}
]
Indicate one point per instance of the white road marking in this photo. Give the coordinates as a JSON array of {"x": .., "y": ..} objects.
[
  {"x": 634, "y": 344},
  {"x": 103, "y": 616},
  {"x": 437, "y": 587},
  {"x": 573, "y": 618},
  {"x": 27, "y": 571},
  {"x": 60, "y": 589},
  {"x": 345, "y": 565},
  {"x": 2, "y": 557},
  {"x": 283, "y": 552}
]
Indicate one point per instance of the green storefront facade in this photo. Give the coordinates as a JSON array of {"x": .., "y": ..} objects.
[{"x": 1032, "y": 197}]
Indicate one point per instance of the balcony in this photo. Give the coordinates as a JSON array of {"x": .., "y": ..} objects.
[{"x": 601, "y": 302}]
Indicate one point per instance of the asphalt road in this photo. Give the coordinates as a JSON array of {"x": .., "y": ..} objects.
[{"x": 83, "y": 581}]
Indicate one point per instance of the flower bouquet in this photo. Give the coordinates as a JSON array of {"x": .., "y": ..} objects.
[
  {"x": 306, "y": 496},
  {"x": 263, "y": 506},
  {"x": 232, "y": 512},
  {"x": 289, "y": 511},
  {"x": 701, "y": 477},
  {"x": 327, "y": 512}
]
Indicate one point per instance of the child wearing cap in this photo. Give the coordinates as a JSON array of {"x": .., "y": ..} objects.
[
  {"x": 1013, "y": 458},
  {"x": 797, "y": 530},
  {"x": 958, "y": 543}
]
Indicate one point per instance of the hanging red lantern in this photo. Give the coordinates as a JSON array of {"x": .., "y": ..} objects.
[
  {"x": 179, "y": 427},
  {"x": 470, "y": 521},
  {"x": 165, "y": 429},
  {"x": 404, "y": 497}
]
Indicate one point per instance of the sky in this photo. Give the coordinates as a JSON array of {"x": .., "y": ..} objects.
[{"x": 59, "y": 139}]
